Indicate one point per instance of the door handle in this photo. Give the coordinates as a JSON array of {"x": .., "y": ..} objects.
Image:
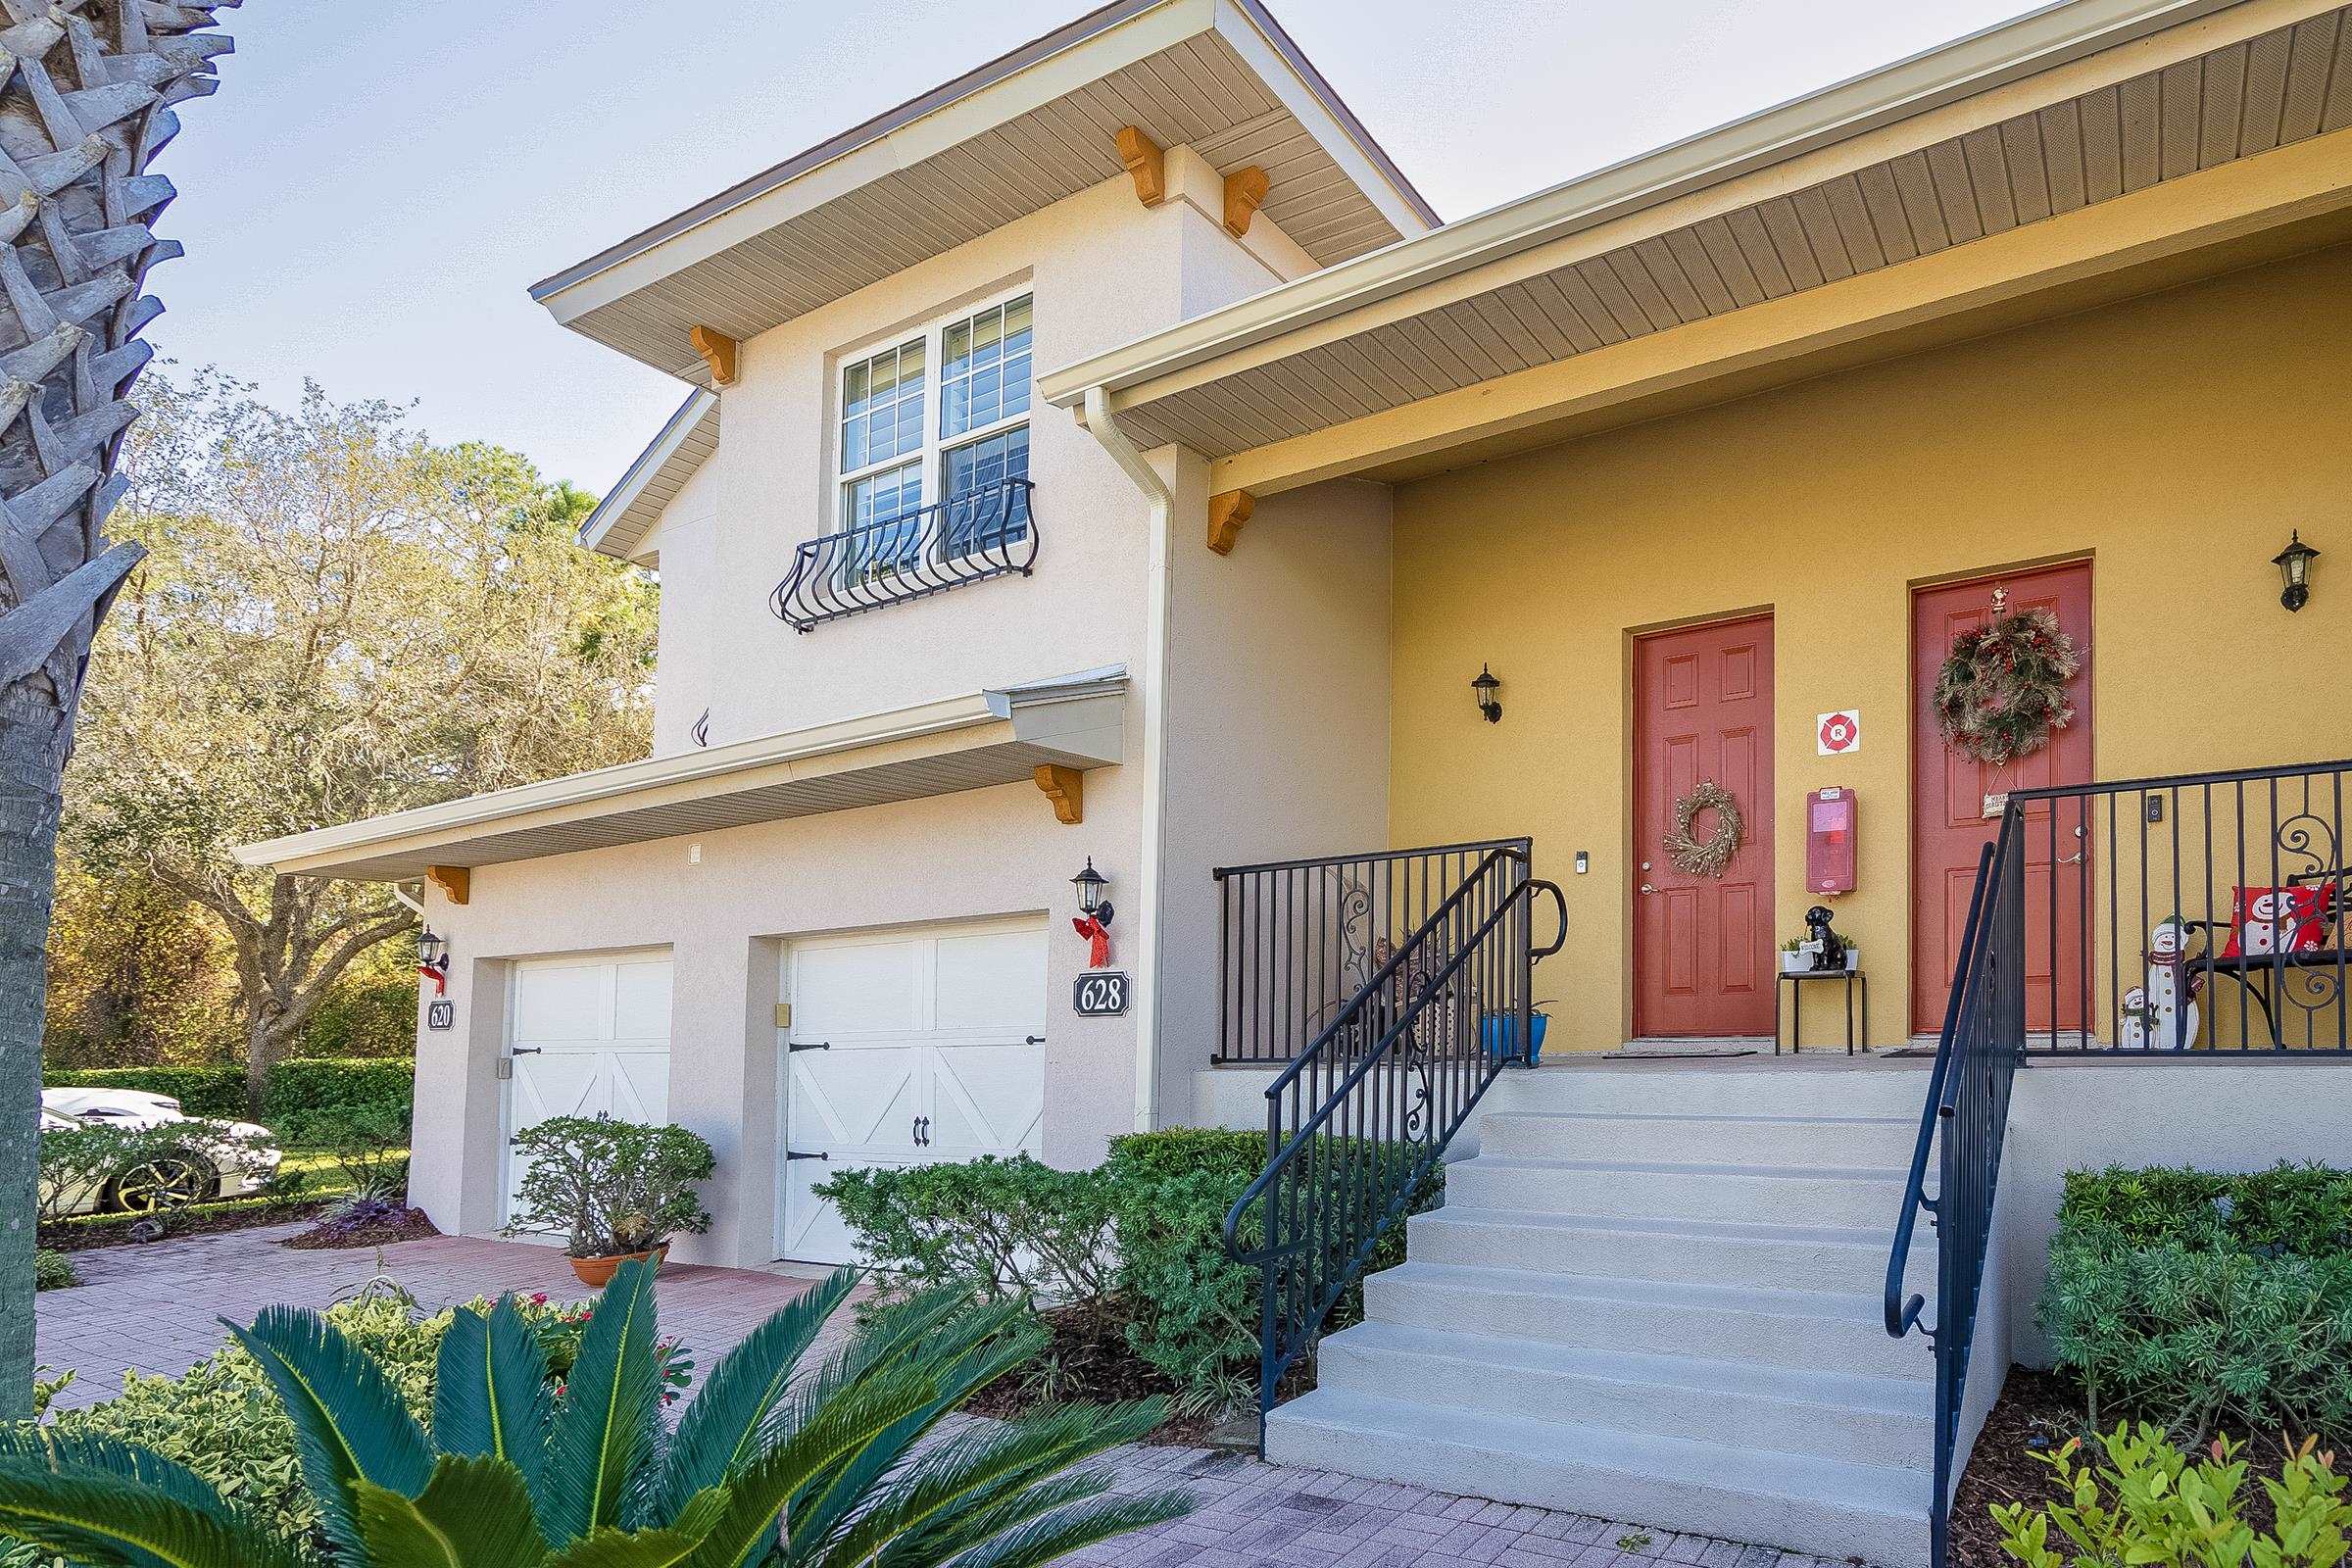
[
  {"x": 921, "y": 1132},
  {"x": 1646, "y": 888}
]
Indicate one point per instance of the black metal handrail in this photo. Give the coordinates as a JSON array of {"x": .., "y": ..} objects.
[
  {"x": 1356, "y": 1124},
  {"x": 1297, "y": 940},
  {"x": 2195, "y": 911},
  {"x": 988, "y": 531}
]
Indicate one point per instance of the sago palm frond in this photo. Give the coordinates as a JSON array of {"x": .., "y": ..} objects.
[
  {"x": 490, "y": 1389},
  {"x": 1067, "y": 1530},
  {"x": 349, "y": 1422},
  {"x": 601, "y": 1443},
  {"x": 474, "y": 1513},
  {"x": 104, "y": 1521},
  {"x": 725, "y": 1426}
]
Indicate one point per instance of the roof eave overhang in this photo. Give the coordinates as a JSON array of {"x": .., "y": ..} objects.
[
  {"x": 2039, "y": 41},
  {"x": 968, "y": 742},
  {"x": 1027, "y": 78},
  {"x": 618, "y": 525}
]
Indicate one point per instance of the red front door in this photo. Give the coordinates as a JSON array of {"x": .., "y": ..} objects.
[
  {"x": 1703, "y": 946},
  {"x": 1957, "y": 801}
]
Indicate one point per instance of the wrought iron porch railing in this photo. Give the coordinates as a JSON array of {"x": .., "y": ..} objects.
[
  {"x": 2203, "y": 912},
  {"x": 1966, "y": 1122},
  {"x": 1357, "y": 1122},
  {"x": 990, "y": 532},
  {"x": 1299, "y": 940},
  {"x": 2239, "y": 881}
]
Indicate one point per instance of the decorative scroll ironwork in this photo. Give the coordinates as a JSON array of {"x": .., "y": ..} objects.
[{"x": 990, "y": 532}]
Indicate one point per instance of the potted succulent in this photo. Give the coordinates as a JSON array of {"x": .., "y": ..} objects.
[
  {"x": 613, "y": 1189},
  {"x": 1796, "y": 956}
]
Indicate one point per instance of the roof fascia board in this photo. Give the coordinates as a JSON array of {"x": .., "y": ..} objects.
[
  {"x": 604, "y": 783},
  {"x": 1969, "y": 67},
  {"x": 658, "y": 452},
  {"x": 923, "y": 127},
  {"x": 2219, "y": 207},
  {"x": 1270, "y": 51}
]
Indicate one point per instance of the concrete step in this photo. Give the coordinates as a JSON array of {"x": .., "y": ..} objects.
[
  {"x": 1801, "y": 1328},
  {"x": 1781, "y": 1256},
  {"x": 1806, "y": 1195},
  {"x": 1878, "y": 1513},
  {"x": 1830, "y": 1414},
  {"x": 1756, "y": 1140},
  {"x": 1748, "y": 1086}
]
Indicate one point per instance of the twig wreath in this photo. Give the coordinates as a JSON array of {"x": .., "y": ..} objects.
[
  {"x": 1697, "y": 856},
  {"x": 2002, "y": 693}
]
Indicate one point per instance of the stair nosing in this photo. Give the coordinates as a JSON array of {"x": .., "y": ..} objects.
[
  {"x": 1667, "y": 1226},
  {"x": 1857, "y": 1174},
  {"x": 1754, "y": 1299}
]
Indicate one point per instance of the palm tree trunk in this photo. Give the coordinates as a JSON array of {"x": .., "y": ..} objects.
[{"x": 87, "y": 88}]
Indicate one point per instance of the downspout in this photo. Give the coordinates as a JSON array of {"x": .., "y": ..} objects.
[{"x": 1106, "y": 428}]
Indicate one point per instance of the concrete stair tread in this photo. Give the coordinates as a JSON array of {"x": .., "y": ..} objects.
[
  {"x": 1756, "y": 1300},
  {"x": 1762, "y": 1173},
  {"x": 1897, "y": 1494},
  {"x": 1673, "y": 1118},
  {"x": 1659, "y": 1225},
  {"x": 1831, "y": 1391}
]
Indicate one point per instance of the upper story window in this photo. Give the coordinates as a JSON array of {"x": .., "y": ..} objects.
[{"x": 934, "y": 418}]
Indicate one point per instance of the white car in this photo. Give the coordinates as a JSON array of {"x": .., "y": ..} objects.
[{"x": 219, "y": 1159}]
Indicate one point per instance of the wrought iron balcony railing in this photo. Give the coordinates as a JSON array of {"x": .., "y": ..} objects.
[{"x": 986, "y": 532}]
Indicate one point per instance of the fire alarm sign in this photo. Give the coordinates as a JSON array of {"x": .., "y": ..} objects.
[{"x": 1841, "y": 733}]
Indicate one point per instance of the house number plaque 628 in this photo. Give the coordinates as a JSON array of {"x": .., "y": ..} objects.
[{"x": 1101, "y": 994}]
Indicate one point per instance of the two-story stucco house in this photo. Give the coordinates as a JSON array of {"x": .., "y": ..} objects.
[{"x": 1912, "y": 511}]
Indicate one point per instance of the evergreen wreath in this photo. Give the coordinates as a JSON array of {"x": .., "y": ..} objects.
[
  {"x": 2002, "y": 693},
  {"x": 1697, "y": 856}
]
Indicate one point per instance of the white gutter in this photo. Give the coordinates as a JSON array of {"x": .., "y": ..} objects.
[
  {"x": 2035, "y": 42},
  {"x": 651, "y": 462},
  {"x": 1114, "y": 439}
]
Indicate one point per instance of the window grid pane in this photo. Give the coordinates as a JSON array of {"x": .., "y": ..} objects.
[
  {"x": 891, "y": 502},
  {"x": 882, "y": 406},
  {"x": 978, "y": 517},
  {"x": 984, "y": 368}
]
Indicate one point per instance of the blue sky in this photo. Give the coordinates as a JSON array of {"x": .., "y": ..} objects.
[{"x": 372, "y": 192}]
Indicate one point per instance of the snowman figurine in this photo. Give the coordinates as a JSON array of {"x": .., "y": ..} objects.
[{"x": 2166, "y": 1018}]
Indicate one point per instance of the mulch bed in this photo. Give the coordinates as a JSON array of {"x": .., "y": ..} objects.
[
  {"x": 2036, "y": 1413},
  {"x": 1087, "y": 1360},
  {"x": 197, "y": 1219},
  {"x": 407, "y": 1225}
]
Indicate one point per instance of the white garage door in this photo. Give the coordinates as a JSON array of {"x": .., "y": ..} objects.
[
  {"x": 905, "y": 1049},
  {"x": 589, "y": 1036}
]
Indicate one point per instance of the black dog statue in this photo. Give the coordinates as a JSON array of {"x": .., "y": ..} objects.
[{"x": 1832, "y": 954}]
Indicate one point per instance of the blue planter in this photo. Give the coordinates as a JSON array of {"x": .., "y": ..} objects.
[{"x": 1499, "y": 1032}]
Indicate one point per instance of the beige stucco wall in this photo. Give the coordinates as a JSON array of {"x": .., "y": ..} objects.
[
  {"x": 1102, "y": 269},
  {"x": 1278, "y": 698}
]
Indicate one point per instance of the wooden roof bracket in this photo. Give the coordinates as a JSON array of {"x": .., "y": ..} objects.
[
  {"x": 1065, "y": 787},
  {"x": 1227, "y": 511},
  {"x": 717, "y": 351},
  {"x": 1245, "y": 189},
  {"x": 1147, "y": 165}
]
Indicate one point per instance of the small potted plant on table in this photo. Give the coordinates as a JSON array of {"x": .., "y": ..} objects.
[{"x": 614, "y": 1190}]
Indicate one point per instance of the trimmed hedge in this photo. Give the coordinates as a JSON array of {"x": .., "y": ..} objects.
[
  {"x": 2193, "y": 1298},
  {"x": 294, "y": 1088}
]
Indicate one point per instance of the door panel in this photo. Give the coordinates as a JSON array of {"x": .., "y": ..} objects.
[
  {"x": 935, "y": 1051},
  {"x": 1703, "y": 946},
  {"x": 1950, "y": 823},
  {"x": 589, "y": 1037}
]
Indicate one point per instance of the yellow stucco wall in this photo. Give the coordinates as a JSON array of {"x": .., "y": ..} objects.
[{"x": 2174, "y": 439}]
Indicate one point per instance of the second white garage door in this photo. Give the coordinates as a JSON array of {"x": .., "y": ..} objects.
[{"x": 906, "y": 1047}]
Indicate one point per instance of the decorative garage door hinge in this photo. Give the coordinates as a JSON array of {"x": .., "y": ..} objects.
[
  {"x": 794, "y": 1153},
  {"x": 795, "y": 1046}
]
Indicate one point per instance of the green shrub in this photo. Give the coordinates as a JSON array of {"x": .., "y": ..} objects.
[
  {"x": 200, "y": 1091},
  {"x": 1143, "y": 1231},
  {"x": 2295, "y": 1208},
  {"x": 53, "y": 1271},
  {"x": 994, "y": 1228},
  {"x": 368, "y": 1144},
  {"x": 610, "y": 1188},
  {"x": 2148, "y": 1504},
  {"x": 2193, "y": 1298},
  {"x": 297, "y": 1087},
  {"x": 303, "y": 1085}
]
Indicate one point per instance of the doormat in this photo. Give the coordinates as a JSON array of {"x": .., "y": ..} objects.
[{"x": 1669, "y": 1053}]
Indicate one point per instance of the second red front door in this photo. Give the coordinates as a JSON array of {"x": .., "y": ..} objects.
[{"x": 1704, "y": 945}]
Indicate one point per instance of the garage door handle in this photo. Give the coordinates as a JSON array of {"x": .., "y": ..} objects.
[
  {"x": 794, "y": 1153},
  {"x": 528, "y": 1051},
  {"x": 922, "y": 1132}
]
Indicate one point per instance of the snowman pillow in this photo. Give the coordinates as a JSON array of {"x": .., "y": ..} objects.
[{"x": 2272, "y": 920}]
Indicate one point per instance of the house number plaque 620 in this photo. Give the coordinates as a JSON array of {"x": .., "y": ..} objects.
[{"x": 1101, "y": 994}]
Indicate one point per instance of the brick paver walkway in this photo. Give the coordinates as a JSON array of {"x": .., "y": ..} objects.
[{"x": 157, "y": 1309}]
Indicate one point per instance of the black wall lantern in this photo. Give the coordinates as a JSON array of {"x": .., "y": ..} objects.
[
  {"x": 1484, "y": 689},
  {"x": 1090, "y": 884},
  {"x": 433, "y": 960},
  {"x": 2294, "y": 571}
]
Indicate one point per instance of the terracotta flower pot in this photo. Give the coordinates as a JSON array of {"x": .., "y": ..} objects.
[{"x": 597, "y": 1272}]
